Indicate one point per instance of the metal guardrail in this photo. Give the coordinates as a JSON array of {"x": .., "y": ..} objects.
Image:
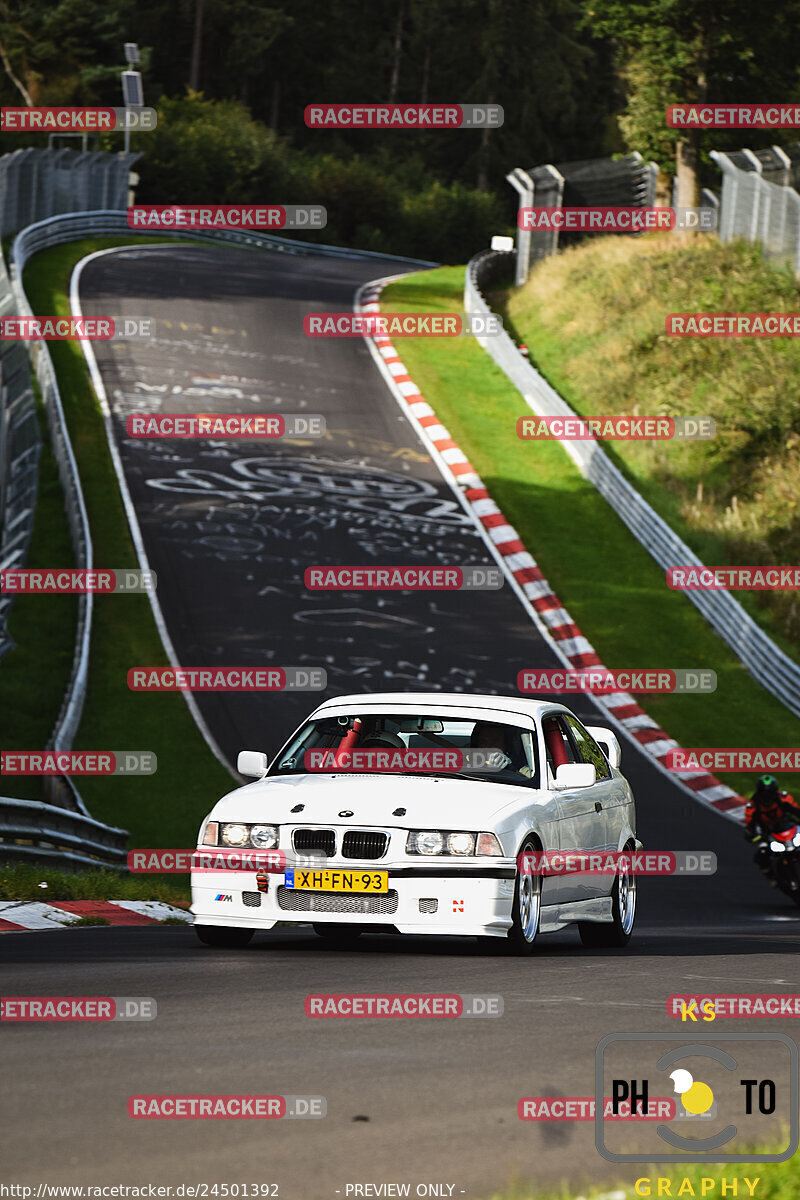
[
  {"x": 101, "y": 223},
  {"x": 34, "y": 832},
  {"x": 765, "y": 661}
]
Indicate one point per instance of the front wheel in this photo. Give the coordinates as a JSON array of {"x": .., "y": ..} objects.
[
  {"x": 617, "y": 933},
  {"x": 223, "y": 937},
  {"x": 527, "y": 908}
]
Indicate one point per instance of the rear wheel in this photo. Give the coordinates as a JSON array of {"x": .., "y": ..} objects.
[
  {"x": 223, "y": 937},
  {"x": 616, "y": 933}
]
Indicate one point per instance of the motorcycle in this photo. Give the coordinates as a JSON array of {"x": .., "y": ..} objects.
[{"x": 779, "y": 859}]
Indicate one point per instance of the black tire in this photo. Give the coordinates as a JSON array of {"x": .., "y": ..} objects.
[
  {"x": 526, "y": 911},
  {"x": 338, "y": 931},
  {"x": 223, "y": 937},
  {"x": 788, "y": 883},
  {"x": 617, "y": 933}
]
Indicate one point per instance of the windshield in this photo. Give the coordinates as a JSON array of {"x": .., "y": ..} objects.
[{"x": 412, "y": 744}]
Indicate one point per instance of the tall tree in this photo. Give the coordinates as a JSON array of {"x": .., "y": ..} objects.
[{"x": 673, "y": 51}]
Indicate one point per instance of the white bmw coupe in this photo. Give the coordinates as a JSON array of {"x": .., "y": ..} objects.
[{"x": 410, "y": 812}]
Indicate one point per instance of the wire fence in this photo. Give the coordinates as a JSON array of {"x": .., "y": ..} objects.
[
  {"x": 38, "y": 183},
  {"x": 20, "y": 447},
  {"x": 758, "y": 210}
]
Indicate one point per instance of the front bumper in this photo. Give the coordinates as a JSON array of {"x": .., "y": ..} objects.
[{"x": 466, "y": 901}]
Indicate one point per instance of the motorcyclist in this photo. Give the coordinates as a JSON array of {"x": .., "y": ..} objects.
[{"x": 769, "y": 811}]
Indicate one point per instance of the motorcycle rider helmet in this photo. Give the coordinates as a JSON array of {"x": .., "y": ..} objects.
[{"x": 767, "y": 783}]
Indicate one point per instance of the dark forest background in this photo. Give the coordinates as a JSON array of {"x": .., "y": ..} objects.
[{"x": 231, "y": 78}]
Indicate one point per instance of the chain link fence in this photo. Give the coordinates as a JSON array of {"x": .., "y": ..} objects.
[
  {"x": 36, "y": 184},
  {"x": 758, "y": 210},
  {"x": 20, "y": 447}
]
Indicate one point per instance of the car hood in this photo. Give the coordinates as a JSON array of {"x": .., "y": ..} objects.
[{"x": 372, "y": 800}]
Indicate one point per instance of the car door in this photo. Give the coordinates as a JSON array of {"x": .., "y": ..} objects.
[{"x": 582, "y": 822}]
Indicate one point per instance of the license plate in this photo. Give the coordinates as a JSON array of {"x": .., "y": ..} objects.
[{"x": 336, "y": 881}]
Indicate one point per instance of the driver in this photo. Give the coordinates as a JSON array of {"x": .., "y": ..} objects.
[
  {"x": 486, "y": 736},
  {"x": 769, "y": 810}
]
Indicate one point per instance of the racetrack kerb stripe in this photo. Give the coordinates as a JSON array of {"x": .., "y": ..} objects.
[{"x": 559, "y": 628}]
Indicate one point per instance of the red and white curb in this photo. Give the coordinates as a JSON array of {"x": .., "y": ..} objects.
[
  {"x": 543, "y": 606},
  {"x": 19, "y": 915}
]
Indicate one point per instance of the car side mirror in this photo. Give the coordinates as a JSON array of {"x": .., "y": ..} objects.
[
  {"x": 252, "y": 762},
  {"x": 607, "y": 741},
  {"x": 575, "y": 775}
]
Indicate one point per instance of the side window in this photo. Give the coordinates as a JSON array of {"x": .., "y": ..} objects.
[
  {"x": 557, "y": 742},
  {"x": 588, "y": 749}
]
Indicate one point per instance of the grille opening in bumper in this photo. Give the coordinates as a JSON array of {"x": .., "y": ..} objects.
[
  {"x": 334, "y": 902},
  {"x": 251, "y": 899},
  {"x": 428, "y": 905},
  {"x": 362, "y": 843},
  {"x": 323, "y": 841}
]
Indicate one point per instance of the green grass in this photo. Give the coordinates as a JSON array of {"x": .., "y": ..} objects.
[
  {"x": 776, "y": 1181},
  {"x": 593, "y": 320},
  {"x": 612, "y": 587},
  {"x": 22, "y": 882},
  {"x": 164, "y": 809}
]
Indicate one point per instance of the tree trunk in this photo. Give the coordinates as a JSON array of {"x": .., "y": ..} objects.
[
  {"x": 398, "y": 48},
  {"x": 275, "y": 106},
  {"x": 687, "y": 154},
  {"x": 18, "y": 84},
  {"x": 426, "y": 73},
  {"x": 197, "y": 46}
]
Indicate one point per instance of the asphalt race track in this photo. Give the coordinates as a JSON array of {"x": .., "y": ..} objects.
[{"x": 229, "y": 528}]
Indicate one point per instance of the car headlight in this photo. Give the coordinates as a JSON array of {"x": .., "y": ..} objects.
[
  {"x": 235, "y": 835},
  {"x": 211, "y": 834},
  {"x": 425, "y": 842},
  {"x": 777, "y": 847},
  {"x": 264, "y": 837},
  {"x": 796, "y": 838},
  {"x": 461, "y": 843},
  {"x": 444, "y": 841}
]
